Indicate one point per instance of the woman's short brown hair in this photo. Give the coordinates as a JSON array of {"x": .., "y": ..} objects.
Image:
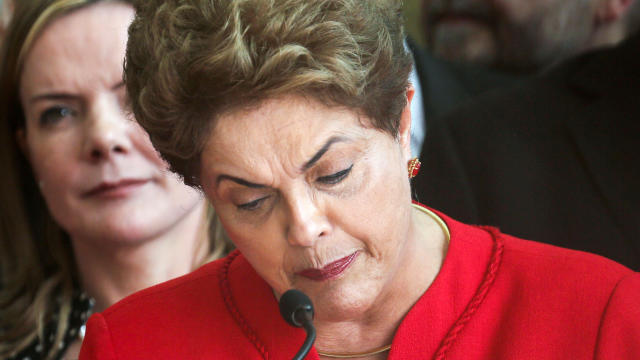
[{"x": 188, "y": 62}]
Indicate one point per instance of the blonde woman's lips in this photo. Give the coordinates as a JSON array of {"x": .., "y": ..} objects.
[
  {"x": 330, "y": 270},
  {"x": 116, "y": 190}
]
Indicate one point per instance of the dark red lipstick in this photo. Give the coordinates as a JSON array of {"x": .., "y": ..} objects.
[{"x": 330, "y": 270}]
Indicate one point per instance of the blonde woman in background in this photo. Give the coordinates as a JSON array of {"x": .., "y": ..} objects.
[{"x": 89, "y": 213}]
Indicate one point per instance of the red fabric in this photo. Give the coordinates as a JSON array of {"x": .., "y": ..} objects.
[{"x": 496, "y": 297}]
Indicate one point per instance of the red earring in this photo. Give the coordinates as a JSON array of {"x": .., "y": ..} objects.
[{"x": 414, "y": 167}]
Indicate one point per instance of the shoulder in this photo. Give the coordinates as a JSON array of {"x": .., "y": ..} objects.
[
  {"x": 569, "y": 281},
  {"x": 534, "y": 266},
  {"x": 552, "y": 259},
  {"x": 541, "y": 300},
  {"x": 176, "y": 292},
  {"x": 190, "y": 310},
  {"x": 589, "y": 300}
]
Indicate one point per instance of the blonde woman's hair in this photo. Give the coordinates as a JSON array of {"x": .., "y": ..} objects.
[
  {"x": 37, "y": 266},
  {"x": 188, "y": 62}
]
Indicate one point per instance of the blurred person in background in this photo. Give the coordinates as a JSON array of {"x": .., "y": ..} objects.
[
  {"x": 89, "y": 213},
  {"x": 442, "y": 86},
  {"x": 524, "y": 36},
  {"x": 554, "y": 159}
]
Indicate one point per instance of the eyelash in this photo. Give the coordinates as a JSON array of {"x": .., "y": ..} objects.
[
  {"x": 327, "y": 180},
  {"x": 252, "y": 205},
  {"x": 335, "y": 178}
]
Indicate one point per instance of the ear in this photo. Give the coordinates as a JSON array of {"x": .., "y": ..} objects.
[
  {"x": 404, "y": 130},
  {"x": 608, "y": 11}
]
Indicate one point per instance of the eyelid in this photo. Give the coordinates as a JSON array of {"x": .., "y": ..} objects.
[
  {"x": 252, "y": 205},
  {"x": 336, "y": 177}
]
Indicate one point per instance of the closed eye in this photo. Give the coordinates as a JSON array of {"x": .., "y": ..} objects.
[
  {"x": 335, "y": 178},
  {"x": 252, "y": 205}
]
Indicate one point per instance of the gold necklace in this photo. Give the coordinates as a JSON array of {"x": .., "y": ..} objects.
[
  {"x": 354, "y": 355},
  {"x": 382, "y": 349},
  {"x": 436, "y": 218}
]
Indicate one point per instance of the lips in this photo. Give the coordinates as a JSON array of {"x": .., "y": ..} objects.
[
  {"x": 117, "y": 189},
  {"x": 329, "y": 271}
]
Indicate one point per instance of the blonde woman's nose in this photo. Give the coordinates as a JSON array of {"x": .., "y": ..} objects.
[{"x": 107, "y": 131}]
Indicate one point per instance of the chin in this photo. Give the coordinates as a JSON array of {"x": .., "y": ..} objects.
[
  {"x": 117, "y": 234},
  {"x": 118, "y": 230},
  {"x": 344, "y": 302}
]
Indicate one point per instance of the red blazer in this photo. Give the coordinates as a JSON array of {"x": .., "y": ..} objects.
[{"x": 496, "y": 297}]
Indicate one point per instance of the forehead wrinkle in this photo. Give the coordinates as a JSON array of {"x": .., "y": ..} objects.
[
  {"x": 229, "y": 154},
  {"x": 259, "y": 141},
  {"x": 62, "y": 43}
]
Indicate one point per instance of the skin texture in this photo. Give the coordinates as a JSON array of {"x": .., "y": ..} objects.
[
  {"x": 78, "y": 136},
  {"x": 522, "y": 35},
  {"x": 286, "y": 217}
]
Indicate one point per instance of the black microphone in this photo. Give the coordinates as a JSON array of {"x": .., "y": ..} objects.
[{"x": 296, "y": 309}]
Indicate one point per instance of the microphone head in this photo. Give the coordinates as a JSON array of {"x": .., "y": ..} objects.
[{"x": 295, "y": 307}]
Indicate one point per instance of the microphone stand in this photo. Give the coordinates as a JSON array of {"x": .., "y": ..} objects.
[
  {"x": 297, "y": 310},
  {"x": 307, "y": 324}
]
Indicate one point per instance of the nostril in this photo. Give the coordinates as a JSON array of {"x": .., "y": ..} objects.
[
  {"x": 118, "y": 149},
  {"x": 96, "y": 154}
]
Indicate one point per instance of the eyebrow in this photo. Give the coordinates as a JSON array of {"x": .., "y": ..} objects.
[
  {"x": 314, "y": 159},
  {"x": 238, "y": 180},
  {"x": 66, "y": 96},
  {"x": 322, "y": 151},
  {"x": 53, "y": 96}
]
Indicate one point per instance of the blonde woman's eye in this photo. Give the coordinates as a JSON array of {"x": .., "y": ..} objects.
[
  {"x": 252, "y": 205},
  {"x": 55, "y": 115},
  {"x": 335, "y": 178}
]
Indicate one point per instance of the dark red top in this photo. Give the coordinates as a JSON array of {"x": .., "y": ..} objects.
[{"x": 496, "y": 297}]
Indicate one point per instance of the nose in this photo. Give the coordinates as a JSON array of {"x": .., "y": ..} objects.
[
  {"x": 307, "y": 222},
  {"x": 106, "y": 131}
]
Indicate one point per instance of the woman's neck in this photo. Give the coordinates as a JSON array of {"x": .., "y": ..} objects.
[
  {"x": 377, "y": 326},
  {"x": 110, "y": 272}
]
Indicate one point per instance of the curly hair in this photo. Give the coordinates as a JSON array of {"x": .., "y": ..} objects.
[{"x": 189, "y": 62}]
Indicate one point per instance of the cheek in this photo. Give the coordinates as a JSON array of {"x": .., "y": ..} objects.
[
  {"x": 380, "y": 206},
  {"x": 179, "y": 197},
  {"x": 261, "y": 244},
  {"x": 253, "y": 240},
  {"x": 56, "y": 170},
  {"x": 141, "y": 141},
  {"x": 54, "y": 160},
  {"x": 264, "y": 251}
]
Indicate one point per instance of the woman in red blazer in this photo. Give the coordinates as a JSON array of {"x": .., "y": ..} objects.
[{"x": 293, "y": 117}]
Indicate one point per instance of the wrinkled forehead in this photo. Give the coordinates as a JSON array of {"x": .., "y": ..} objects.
[
  {"x": 87, "y": 45},
  {"x": 290, "y": 127}
]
